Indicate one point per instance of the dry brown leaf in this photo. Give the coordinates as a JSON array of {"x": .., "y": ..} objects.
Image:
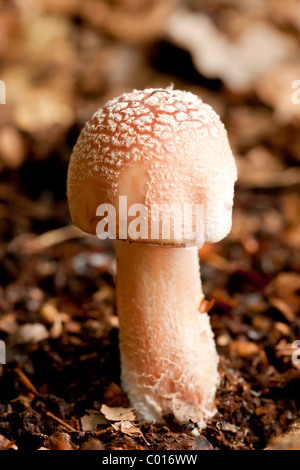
[
  {"x": 283, "y": 294},
  {"x": 59, "y": 441},
  {"x": 30, "y": 333},
  {"x": 6, "y": 444},
  {"x": 8, "y": 323},
  {"x": 118, "y": 413},
  {"x": 49, "y": 311},
  {"x": 126, "y": 427},
  {"x": 286, "y": 284},
  {"x": 283, "y": 328},
  {"x": 130, "y": 21},
  {"x": 236, "y": 62},
  {"x": 230, "y": 427},
  {"x": 275, "y": 89},
  {"x": 283, "y": 307},
  {"x": 245, "y": 349},
  {"x": 260, "y": 169},
  {"x": 290, "y": 440},
  {"x": 275, "y": 179},
  {"x": 285, "y": 13}
]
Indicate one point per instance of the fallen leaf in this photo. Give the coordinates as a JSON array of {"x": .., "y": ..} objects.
[
  {"x": 245, "y": 349},
  {"x": 118, "y": 413},
  {"x": 30, "y": 333},
  {"x": 6, "y": 444},
  {"x": 289, "y": 440},
  {"x": 59, "y": 441},
  {"x": 259, "y": 168},
  {"x": 130, "y": 21},
  {"x": 91, "y": 421},
  {"x": 126, "y": 427},
  {"x": 49, "y": 311},
  {"x": 275, "y": 89},
  {"x": 236, "y": 61}
]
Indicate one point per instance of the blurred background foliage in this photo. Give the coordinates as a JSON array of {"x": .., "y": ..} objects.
[{"x": 61, "y": 60}]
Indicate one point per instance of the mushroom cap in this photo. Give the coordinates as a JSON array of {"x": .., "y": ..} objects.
[{"x": 157, "y": 147}]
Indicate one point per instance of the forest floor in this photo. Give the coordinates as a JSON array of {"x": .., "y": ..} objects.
[{"x": 60, "y": 386}]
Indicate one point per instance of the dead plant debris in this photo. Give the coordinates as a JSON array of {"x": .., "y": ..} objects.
[{"x": 60, "y": 386}]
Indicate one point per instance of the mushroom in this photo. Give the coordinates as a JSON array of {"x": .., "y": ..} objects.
[{"x": 166, "y": 148}]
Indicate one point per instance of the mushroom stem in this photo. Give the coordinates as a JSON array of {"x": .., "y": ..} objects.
[{"x": 168, "y": 355}]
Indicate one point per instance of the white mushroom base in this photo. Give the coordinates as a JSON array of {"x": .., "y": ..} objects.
[{"x": 169, "y": 361}]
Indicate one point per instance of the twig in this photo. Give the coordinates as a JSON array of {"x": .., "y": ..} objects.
[
  {"x": 60, "y": 421},
  {"x": 53, "y": 237}
]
